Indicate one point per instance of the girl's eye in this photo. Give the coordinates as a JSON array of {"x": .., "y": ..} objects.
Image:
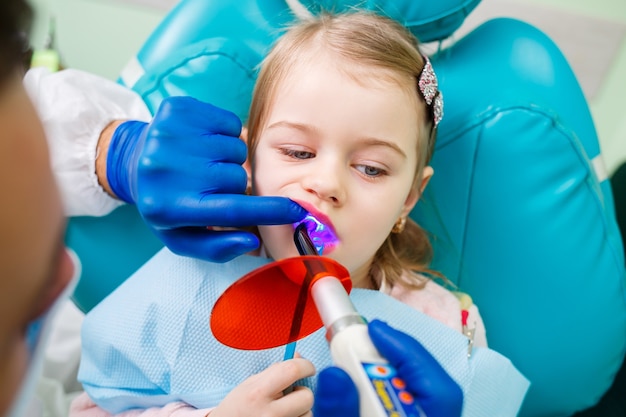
[
  {"x": 297, "y": 154},
  {"x": 371, "y": 171}
]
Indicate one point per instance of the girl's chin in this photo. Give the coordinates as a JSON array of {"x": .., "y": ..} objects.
[
  {"x": 284, "y": 254},
  {"x": 326, "y": 251}
]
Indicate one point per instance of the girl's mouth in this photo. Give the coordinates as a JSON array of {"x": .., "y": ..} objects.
[{"x": 323, "y": 237}]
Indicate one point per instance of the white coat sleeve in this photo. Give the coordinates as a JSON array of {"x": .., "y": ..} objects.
[{"x": 75, "y": 107}]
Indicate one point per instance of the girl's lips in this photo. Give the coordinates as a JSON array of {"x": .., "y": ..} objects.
[
  {"x": 318, "y": 215},
  {"x": 319, "y": 229}
]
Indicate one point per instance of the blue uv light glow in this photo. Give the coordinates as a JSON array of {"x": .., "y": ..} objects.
[{"x": 322, "y": 235}]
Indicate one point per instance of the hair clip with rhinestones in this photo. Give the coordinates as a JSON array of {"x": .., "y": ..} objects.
[{"x": 428, "y": 86}]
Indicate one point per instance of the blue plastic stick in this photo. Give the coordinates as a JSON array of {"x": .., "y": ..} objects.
[{"x": 290, "y": 351}]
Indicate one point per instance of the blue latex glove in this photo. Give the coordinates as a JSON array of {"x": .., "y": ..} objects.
[
  {"x": 336, "y": 394},
  {"x": 184, "y": 172},
  {"x": 435, "y": 391}
]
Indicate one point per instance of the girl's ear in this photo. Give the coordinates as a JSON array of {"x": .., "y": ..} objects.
[
  {"x": 416, "y": 192},
  {"x": 427, "y": 174}
]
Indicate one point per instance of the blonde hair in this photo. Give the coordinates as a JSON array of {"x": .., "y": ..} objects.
[{"x": 377, "y": 44}]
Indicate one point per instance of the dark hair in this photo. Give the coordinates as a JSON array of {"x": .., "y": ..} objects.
[{"x": 15, "y": 23}]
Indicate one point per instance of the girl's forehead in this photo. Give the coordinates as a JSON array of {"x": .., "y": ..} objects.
[
  {"x": 316, "y": 84},
  {"x": 366, "y": 75},
  {"x": 315, "y": 75},
  {"x": 334, "y": 101}
]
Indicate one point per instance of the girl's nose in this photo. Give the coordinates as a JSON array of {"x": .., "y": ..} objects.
[{"x": 326, "y": 183}]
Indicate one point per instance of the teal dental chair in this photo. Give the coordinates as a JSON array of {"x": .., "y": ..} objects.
[{"x": 520, "y": 212}]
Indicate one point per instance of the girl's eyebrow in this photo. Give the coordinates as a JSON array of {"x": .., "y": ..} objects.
[
  {"x": 293, "y": 125},
  {"x": 380, "y": 142},
  {"x": 364, "y": 142}
]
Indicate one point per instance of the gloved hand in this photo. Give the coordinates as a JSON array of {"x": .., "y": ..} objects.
[
  {"x": 435, "y": 391},
  {"x": 184, "y": 172},
  {"x": 336, "y": 395}
]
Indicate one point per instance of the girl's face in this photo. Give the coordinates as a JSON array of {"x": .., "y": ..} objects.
[{"x": 347, "y": 152}]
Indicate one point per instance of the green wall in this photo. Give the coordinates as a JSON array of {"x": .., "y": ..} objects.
[{"x": 98, "y": 36}]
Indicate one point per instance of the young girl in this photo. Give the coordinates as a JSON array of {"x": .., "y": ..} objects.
[{"x": 343, "y": 121}]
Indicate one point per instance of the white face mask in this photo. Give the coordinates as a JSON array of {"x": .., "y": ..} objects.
[{"x": 36, "y": 337}]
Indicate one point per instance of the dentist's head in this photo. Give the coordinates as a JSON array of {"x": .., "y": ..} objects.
[{"x": 34, "y": 266}]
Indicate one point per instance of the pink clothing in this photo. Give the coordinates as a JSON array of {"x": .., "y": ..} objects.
[
  {"x": 441, "y": 304},
  {"x": 82, "y": 406}
]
